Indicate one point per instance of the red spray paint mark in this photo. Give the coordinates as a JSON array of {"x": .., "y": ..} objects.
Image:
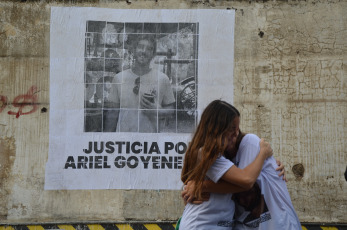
[
  {"x": 3, "y": 101},
  {"x": 22, "y": 102}
]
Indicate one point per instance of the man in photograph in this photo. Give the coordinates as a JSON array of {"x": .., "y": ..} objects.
[{"x": 141, "y": 95}]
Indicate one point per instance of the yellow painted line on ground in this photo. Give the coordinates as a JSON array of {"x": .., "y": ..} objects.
[
  {"x": 66, "y": 227},
  {"x": 174, "y": 225},
  {"x": 328, "y": 228},
  {"x": 35, "y": 227},
  {"x": 152, "y": 226},
  {"x": 303, "y": 227},
  {"x": 124, "y": 227},
  {"x": 6, "y": 228},
  {"x": 95, "y": 227}
]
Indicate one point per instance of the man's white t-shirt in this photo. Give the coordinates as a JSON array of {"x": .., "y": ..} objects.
[
  {"x": 131, "y": 117},
  {"x": 280, "y": 213},
  {"x": 216, "y": 213}
]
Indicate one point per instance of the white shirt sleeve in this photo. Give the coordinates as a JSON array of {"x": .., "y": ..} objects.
[
  {"x": 219, "y": 168},
  {"x": 248, "y": 150}
]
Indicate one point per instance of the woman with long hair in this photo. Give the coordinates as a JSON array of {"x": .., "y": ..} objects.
[
  {"x": 215, "y": 137},
  {"x": 267, "y": 205}
]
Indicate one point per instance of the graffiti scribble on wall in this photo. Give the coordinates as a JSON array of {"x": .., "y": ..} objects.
[{"x": 26, "y": 103}]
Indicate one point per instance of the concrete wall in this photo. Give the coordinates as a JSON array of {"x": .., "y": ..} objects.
[{"x": 290, "y": 86}]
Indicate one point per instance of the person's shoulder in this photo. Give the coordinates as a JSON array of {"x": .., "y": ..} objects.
[
  {"x": 119, "y": 76},
  {"x": 251, "y": 138}
]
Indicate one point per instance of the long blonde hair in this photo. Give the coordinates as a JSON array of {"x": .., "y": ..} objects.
[{"x": 209, "y": 138}]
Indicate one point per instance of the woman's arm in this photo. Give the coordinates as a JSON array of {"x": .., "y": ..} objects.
[
  {"x": 225, "y": 187},
  {"x": 246, "y": 177},
  {"x": 222, "y": 187},
  {"x": 235, "y": 179}
]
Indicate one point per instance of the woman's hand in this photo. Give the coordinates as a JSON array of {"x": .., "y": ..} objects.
[
  {"x": 265, "y": 148},
  {"x": 281, "y": 169},
  {"x": 188, "y": 195}
]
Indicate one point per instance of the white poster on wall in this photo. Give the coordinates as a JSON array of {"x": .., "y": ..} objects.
[{"x": 127, "y": 88}]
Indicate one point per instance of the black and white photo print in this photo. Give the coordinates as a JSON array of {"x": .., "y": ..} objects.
[{"x": 141, "y": 77}]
